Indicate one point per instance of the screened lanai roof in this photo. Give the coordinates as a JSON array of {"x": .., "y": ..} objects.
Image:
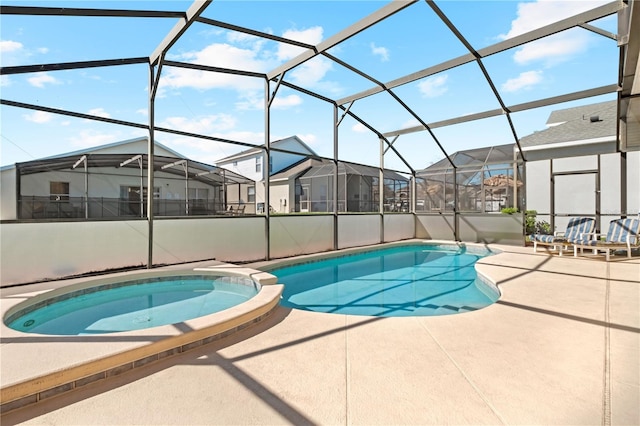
[
  {"x": 171, "y": 165},
  {"x": 475, "y": 158},
  {"x": 210, "y": 79},
  {"x": 325, "y": 170}
]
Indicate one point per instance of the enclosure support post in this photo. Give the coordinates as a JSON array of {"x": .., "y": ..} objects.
[
  {"x": 335, "y": 177},
  {"x": 186, "y": 187},
  {"x": 154, "y": 79},
  {"x": 265, "y": 169},
  {"x": 456, "y": 215},
  {"x": 413, "y": 201},
  {"x": 598, "y": 205},
  {"x": 86, "y": 189},
  {"x": 552, "y": 196},
  {"x": 140, "y": 163},
  {"x": 623, "y": 185},
  {"x": 381, "y": 190}
]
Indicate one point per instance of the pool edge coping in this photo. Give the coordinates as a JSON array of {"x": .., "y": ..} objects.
[{"x": 203, "y": 330}]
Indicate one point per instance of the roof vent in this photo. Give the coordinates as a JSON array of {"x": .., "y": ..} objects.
[{"x": 595, "y": 118}]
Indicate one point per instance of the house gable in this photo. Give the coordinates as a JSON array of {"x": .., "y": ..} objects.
[
  {"x": 584, "y": 130},
  {"x": 251, "y": 162}
]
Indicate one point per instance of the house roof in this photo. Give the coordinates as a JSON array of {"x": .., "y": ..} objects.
[
  {"x": 474, "y": 157},
  {"x": 110, "y": 146},
  {"x": 350, "y": 169},
  {"x": 114, "y": 148},
  {"x": 275, "y": 144},
  {"x": 583, "y": 123},
  {"x": 195, "y": 170},
  {"x": 295, "y": 169},
  {"x": 110, "y": 156}
]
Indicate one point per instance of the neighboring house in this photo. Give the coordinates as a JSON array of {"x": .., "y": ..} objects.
[
  {"x": 252, "y": 163},
  {"x": 574, "y": 167},
  {"x": 358, "y": 189},
  {"x": 284, "y": 190},
  {"x": 300, "y": 182},
  {"x": 106, "y": 182},
  {"x": 488, "y": 180}
]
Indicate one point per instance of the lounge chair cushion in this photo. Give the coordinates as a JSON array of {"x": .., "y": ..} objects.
[
  {"x": 621, "y": 232},
  {"x": 547, "y": 238},
  {"x": 576, "y": 228}
]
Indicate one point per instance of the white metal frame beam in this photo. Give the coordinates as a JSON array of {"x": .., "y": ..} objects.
[
  {"x": 194, "y": 11},
  {"x": 382, "y": 13},
  {"x": 565, "y": 24}
]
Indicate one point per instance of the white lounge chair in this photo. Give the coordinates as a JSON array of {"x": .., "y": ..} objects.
[
  {"x": 623, "y": 234},
  {"x": 576, "y": 227}
]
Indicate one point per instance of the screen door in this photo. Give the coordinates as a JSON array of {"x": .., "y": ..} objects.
[{"x": 574, "y": 195}]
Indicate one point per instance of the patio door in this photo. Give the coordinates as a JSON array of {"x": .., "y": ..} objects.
[
  {"x": 304, "y": 198},
  {"x": 574, "y": 194}
]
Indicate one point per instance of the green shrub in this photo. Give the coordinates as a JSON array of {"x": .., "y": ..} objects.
[
  {"x": 530, "y": 221},
  {"x": 543, "y": 227},
  {"x": 535, "y": 227},
  {"x": 509, "y": 210}
]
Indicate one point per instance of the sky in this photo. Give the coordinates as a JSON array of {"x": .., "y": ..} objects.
[{"x": 231, "y": 107}]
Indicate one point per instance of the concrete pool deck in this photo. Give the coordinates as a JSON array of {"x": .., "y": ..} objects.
[{"x": 561, "y": 346}]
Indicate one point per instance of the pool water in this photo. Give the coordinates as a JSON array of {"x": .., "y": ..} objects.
[
  {"x": 134, "y": 306},
  {"x": 414, "y": 280}
]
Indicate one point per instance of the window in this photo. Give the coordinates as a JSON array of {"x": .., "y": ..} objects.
[
  {"x": 130, "y": 201},
  {"x": 198, "y": 193},
  {"x": 59, "y": 191},
  {"x": 258, "y": 164},
  {"x": 251, "y": 194}
]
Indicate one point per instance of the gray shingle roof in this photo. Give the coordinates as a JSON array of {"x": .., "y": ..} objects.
[{"x": 575, "y": 124}]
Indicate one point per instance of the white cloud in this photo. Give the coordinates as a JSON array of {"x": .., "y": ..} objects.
[
  {"x": 40, "y": 79},
  {"x": 383, "y": 52},
  {"x": 312, "y": 36},
  {"x": 206, "y": 125},
  {"x": 5, "y": 81},
  {"x": 100, "y": 112},
  {"x": 250, "y": 100},
  {"x": 9, "y": 46},
  {"x": 412, "y": 122},
  {"x": 43, "y": 50},
  {"x": 554, "y": 49},
  {"x": 143, "y": 111},
  {"x": 539, "y": 13},
  {"x": 38, "y": 117},
  {"x": 210, "y": 152},
  {"x": 434, "y": 86},
  {"x": 523, "y": 82},
  {"x": 242, "y": 38},
  {"x": 284, "y": 102},
  {"x": 311, "y": 72},
  {"x": 218, "y": 55},
  {"x": 308, "y": 138},
  {"x": 359, "y": 128},
  {"x": 248, "y": 53},
  {"x": 91, "y": 138}
]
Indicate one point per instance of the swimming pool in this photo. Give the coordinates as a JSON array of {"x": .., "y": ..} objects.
[
  {"x": 409, "y": 280},
  {"x": 131, "y": 305}
]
